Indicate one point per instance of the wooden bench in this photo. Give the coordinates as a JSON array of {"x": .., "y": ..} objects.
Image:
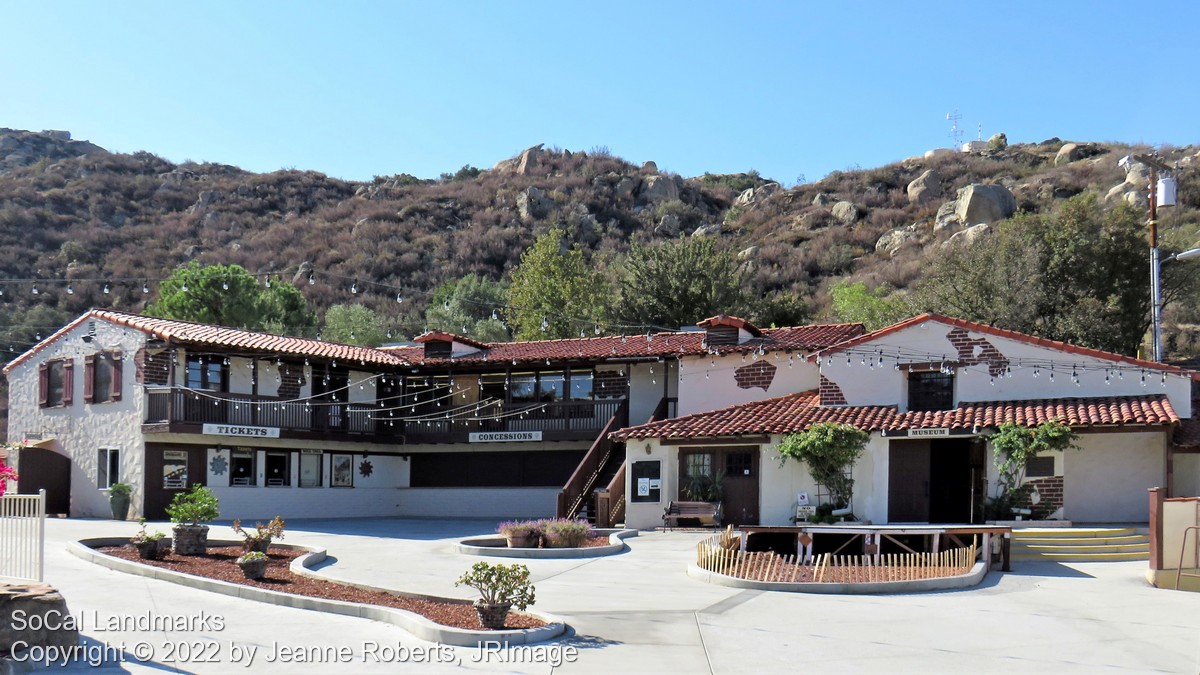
[{"x": 708, "y": 513}]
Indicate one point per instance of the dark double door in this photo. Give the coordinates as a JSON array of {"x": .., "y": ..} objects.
[{"x": 936, "y": 481}]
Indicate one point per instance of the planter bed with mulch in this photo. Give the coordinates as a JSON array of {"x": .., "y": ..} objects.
[
  {"x": 290, "y": 583},
  {"x": 219, "y": 564}
]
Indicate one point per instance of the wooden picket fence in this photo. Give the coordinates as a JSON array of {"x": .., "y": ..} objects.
[{"x": 721, "y": 554}]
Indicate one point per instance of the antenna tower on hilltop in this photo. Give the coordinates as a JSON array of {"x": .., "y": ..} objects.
[{"x": 956, "y": 133}]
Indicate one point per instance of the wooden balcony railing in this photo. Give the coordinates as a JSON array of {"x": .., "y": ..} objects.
[
  {"x": 566, "y": 420},
  {"x": 610, "y": 500}
]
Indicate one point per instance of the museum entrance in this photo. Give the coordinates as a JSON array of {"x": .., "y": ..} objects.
[{"x": 936, "y": 480}]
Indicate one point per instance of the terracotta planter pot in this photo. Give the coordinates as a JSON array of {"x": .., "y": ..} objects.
[
  {"x": 492, "y": 616},
  {"x": 253, "y": 569},
  {"x": 191, "y": 539},
  {"x": 526, "y": 541}
]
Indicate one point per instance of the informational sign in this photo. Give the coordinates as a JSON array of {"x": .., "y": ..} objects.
[
  {"x": 504, "y": 436},
  {"x": 805, "y": 512},
  {"x": 926, "y": 433},
  {"x": 647, "y": 481},
  {"x": 802, "y": 498},
  {"x": 238, "y": 430}
]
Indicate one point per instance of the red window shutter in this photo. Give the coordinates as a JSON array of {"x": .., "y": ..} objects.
[
  {"x": 68, "y": 381},
  {"x": 43, "y": 383},
  {"x": 116, "y": 377},
  {"x": 89, "y": 378}
]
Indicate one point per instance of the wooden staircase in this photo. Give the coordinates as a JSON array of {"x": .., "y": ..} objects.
[{"x": 1080, "y": 544}]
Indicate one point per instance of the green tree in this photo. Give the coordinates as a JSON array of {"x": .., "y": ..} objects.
[
  {"x": 680, "y": 282},
  {"x": 555, "y": 292},
  {"x": 1078, "y": 275},
  {"x": 874, "y": 309},
  {"x": 228, "y": 295},
  {"x": 830, "y": 451},
  {"x": 353, "y": 325},
  {"x": 469, "y": 306}
]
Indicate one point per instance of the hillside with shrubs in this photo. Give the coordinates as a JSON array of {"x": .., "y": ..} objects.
[{"x": 91, "y": 228}]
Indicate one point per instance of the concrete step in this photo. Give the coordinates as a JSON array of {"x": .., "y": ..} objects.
[
  {"x": 1082, "y": 557},
  {"x": 1143, "y": 548},
  {"x": 1082, "y": 541},
  {"x": 1072, "y": 532}
]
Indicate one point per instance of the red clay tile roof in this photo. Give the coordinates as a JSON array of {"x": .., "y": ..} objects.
[
  {"x": 1188, "y": 433},
  {"x": 797, "y": 338},
  {"x": 796, "y": 412},
  {"x": 187, "y": 332},
  {"x": 443, "y": 336},
  {"x": 1010, "y": 334},
  {"x": 724, "y": 320}
]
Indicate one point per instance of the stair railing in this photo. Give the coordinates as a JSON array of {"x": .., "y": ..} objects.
[{"x": 583, "y": 480}]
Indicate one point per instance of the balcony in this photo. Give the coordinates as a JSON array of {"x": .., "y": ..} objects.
[{"x": 184, "y": 411}]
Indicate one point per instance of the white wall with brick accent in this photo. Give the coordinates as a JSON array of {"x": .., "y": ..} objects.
[
  {"x": 709, "y": 382},
  {"x": 864, "y": 382}
]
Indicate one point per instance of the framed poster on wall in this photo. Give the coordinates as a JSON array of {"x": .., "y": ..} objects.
[
  {"x": 175, "y": 470},
  {"x": 342, "y": 472}
]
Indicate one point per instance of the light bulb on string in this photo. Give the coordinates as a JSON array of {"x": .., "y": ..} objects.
[
  {"x": 224, "y": 285},
  {"x": 145, "y": 288},
  {"x": 70, "y": 291},
  {"x": 399, "y": 298},
  {"x": 34, "y": 290},
  {"x": 312, "y": 279},
  {"x": 354, "y": 287},
  {"x": 183, "y": 288},
  {"x": 106, "y": 289}
]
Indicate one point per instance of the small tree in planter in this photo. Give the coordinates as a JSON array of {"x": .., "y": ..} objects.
[
  {"x": 829, "y": 450},
  {"x": 260, "y": 539},
  {"x": 189, "y": 510},
  {"x": 501, "y": 587},
  {"x": 253, "y": 564},
  {"x": 1012, "y": 448},
  {"x": 118, "y": 500},
  {"x": 521, "y": 534},
  {"x": 148, "y": 544}
]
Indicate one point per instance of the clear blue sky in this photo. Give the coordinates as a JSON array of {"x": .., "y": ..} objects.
[{"x": 356, "y": 89}]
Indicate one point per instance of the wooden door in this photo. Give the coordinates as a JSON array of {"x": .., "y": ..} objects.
[
  {"x": 908, "y": 481},
  {"x": 43, "y": 469},
  {"x": 740, "y": 503}
]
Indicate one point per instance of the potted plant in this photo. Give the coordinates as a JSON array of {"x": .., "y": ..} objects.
[
  {"x": 253, "y": 564},
  {"x": 521, "y": 534},
  {"x": 564, "y": 533},
  {"x": 501, "y": 587},
  {"x": 260, "y": 539},
  {"x": 118, "y": 500},
  {"x": 149, "y": 545},
  {"x": 189, "y": 511}
]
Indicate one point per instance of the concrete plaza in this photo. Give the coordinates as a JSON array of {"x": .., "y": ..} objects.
[{"x": 639, "y": 612}]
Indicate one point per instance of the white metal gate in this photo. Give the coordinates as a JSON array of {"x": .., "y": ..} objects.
[{"x": 23, "y": 537}]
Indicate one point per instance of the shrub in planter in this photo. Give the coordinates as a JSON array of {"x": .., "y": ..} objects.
[
  {"x": 562, "y": 533},
  {"x": 118, "y": 500},
  {"x": 189, "y": 510},
  {"x": 521, "y": 534},
  {"x": 260, "y": 539},
  {"x": 149, "y": 545},
  {"x": 501, "y": 587},
  {"x": 253, "y": 564}
]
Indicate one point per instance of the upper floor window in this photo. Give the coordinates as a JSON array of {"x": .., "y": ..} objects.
[
  {"x": 205, "y": 374},
  {"x": 102, "y": 377},
  {"x": 930, "y": 390},
  {"x": 56, "y": 382}
]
